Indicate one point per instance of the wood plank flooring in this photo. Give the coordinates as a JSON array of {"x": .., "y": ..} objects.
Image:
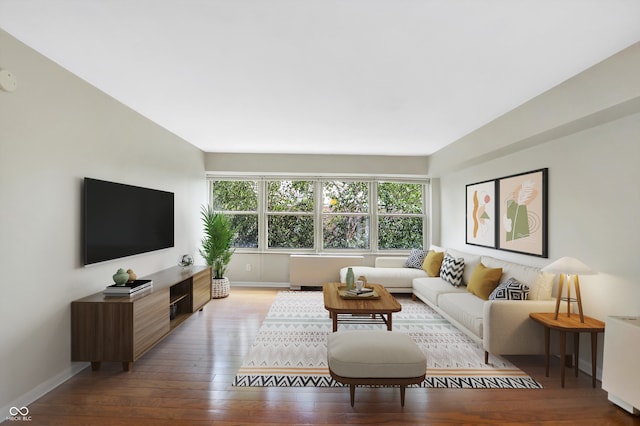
[{"x": 186, "y": 379}]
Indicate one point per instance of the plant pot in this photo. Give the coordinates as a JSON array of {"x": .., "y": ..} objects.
[{"x": 219, "y": 288}]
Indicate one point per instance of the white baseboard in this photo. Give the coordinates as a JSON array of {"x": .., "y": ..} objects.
[
  {"x": 258, "y": 284},
  {"x": 43, "y": 388}
]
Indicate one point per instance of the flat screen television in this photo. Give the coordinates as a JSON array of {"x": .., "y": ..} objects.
[{"x": 122, "y": 220}]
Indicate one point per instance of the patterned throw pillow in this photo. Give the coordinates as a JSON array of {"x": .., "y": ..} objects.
[
  {"x": 415, "y": 259},
  {"x": 452, "y": 269},
  {"x": 511, "y": 289}
]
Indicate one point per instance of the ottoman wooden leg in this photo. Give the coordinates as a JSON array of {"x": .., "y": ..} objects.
[
  {"x": 352, "y": 393},
  {"x": 402, "y": 389}
]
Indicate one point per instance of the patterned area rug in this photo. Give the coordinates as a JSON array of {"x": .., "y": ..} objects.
[{"x": 291, "y": 348}]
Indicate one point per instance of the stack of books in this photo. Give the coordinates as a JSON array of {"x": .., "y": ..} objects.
[
  {"x": 364, "y": 292},
  {"x": 128, "y": 289}
]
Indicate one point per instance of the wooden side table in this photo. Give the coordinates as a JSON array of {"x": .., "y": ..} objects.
[{"x": 573, "y": 325}]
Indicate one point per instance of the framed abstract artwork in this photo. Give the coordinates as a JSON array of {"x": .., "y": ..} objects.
[
  {"x": 522, "y": 213},
  {"x": 481, "y": 214}
]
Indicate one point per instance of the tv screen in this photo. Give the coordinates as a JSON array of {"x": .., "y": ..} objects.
[{"x": 122, "y": 220}]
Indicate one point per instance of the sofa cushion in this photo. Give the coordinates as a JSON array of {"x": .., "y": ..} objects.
[
  {"x": 540, "y": 283},
  {"x": 388, "y": 277},
  {"x": 452, "y": 269},
  {"x": 511, "y": 289},
  {"x": 483, "y": 281},
  {"x": 465, "y": 308},
  {"x": 470, "y": 263},
  {"x": 437, "y": 248},
  {"x": 415, "y": 259},
  {"x": 432, "y": 263},
  {"x": 432, "y": 287}
]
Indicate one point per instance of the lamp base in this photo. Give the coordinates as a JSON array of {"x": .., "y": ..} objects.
[{"x": 568, "y": 298}]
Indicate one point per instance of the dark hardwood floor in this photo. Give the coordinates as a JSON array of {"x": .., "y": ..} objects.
[{"x": 186, "y": 379}]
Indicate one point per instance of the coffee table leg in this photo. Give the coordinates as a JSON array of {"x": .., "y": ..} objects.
[
  {"x": 389, "y": 321},
  {"x": 334, "y": 317}
]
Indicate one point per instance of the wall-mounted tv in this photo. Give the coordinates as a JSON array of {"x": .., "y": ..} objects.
[{"x": 122, "y": 220}]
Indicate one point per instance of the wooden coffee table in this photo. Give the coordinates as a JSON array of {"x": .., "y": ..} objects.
[{"x": 360, "y": 311}]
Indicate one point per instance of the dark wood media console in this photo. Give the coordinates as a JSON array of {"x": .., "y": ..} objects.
[{"x": 122, "y": 329}]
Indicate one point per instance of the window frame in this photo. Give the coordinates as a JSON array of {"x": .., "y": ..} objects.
[
  {"x": 318, "y": 214},
  {"x": 270, "y": 213}
]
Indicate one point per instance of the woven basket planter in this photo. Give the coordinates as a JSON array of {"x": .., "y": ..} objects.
[{"x": 219, "y": 288}]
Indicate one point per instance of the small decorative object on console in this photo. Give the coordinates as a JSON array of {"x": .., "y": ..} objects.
[
  {"x": 121, "y": 277},
  {"x": 185, "y": 260},
  {"x": 127, "y": 289},
  {"x": 132, "y": 275}
]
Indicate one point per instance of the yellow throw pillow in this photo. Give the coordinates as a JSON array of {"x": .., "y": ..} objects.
[
  {"x": 432, "y": 262},
  {"x": 484, "y": 280}
]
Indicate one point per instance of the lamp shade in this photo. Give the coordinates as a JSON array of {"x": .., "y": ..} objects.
[{"x": 569, "y": 266}]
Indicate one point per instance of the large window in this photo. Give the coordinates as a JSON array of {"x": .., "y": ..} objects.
[
  {"x": 400, "y": 215},
  {"x": 290, "y": 214},
  {"x": 323, "y": 215},
  {"x": 345, "y": 215},
  {"x": 239, "y": 200}
]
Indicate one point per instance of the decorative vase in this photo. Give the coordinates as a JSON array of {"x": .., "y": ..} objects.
[
  {"x": 219, "y": 288},
  {"x": 121, "y": 277},
  {"x": 350, "y": 279},
  {"x": 185, "y": 260}
]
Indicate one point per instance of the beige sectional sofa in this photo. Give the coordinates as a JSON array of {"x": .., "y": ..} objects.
[
  {"x": 388, "y": 271},
  {"x": 501, "y": 326}
]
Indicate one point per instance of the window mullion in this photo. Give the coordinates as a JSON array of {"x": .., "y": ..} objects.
[
  {"x": 317, "y": 221},
  {"x": 262, "y": 216},
  {"x": 373, "y": 215}
]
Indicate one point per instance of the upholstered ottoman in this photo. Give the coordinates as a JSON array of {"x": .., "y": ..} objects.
[{"x": 364, "y": 357}]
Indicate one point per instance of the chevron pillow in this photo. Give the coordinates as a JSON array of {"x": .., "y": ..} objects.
[
  {"x": 452, "y": 269},
  {"x": 511, "y": 289}
]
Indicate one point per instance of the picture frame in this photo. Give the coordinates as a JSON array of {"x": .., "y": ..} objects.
[
  {"x": 481, "y": 218},
  {"x": 523, "y": 213}
]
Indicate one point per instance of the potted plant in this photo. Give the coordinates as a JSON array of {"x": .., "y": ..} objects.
[{"x": 216, "y": 248}]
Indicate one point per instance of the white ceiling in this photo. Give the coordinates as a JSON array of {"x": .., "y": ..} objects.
[{"x": 389, "y": 77}]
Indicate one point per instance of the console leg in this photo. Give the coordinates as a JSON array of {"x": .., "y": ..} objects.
[
  {"x": 95, "y": 365},
  {"x": 126, "y": 365}
]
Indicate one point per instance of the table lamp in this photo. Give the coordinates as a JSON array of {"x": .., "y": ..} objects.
[{"x": 570, "y": 268}]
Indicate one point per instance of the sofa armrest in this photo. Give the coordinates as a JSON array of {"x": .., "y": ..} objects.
[
  {"x": 508, "y": 330},
  {"x": 390, "y": 262}
]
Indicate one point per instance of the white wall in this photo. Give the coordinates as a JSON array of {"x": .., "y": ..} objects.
[
  {"x": 54, "y": 130},
  {"x": 592, "y": 153},
  {"x": 593, "y": 209}
]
